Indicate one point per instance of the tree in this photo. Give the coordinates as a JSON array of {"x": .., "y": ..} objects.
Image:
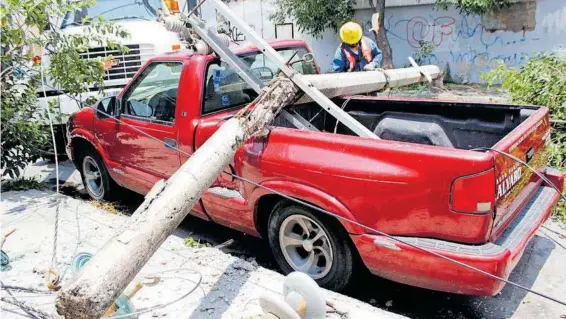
[
  {"x": 381, "y": 35},
  {"x": 26, "y": 33}
]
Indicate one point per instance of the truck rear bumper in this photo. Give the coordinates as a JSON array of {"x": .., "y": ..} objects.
[{"x": 405, "y": 264}]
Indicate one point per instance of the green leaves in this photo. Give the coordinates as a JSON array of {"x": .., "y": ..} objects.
[
  {"x": 540, "y": 81},
  {"x": 479, "y": 7},
  {"x": 24, "y": 40},
  {"x": 313, "y": 16}
]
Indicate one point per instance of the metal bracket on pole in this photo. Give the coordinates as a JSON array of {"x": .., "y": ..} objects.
[
  {"x": 423, "y": 72},
  {"x": 268, "y": 51}
]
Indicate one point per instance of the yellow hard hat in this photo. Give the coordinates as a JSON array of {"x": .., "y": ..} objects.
[{"x": 351, "y": 33}]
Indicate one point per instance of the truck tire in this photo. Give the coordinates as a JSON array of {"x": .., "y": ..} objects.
[
  {"x": 317, "y": 246},
  {"x": 96, "y": 180}
]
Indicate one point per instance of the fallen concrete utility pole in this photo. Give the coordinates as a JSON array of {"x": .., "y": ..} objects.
[
  {"x": 341, "y": 84},
  {"x": 106, "y": 275},
  {"x": 166, "y": 205}
]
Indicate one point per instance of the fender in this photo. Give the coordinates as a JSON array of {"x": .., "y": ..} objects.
[
  {"x": 311, "y": 195},
  {"x": 92, "y": 140},
  {"x": 89, "y": 137}
]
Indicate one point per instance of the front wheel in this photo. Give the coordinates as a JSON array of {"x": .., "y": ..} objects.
[
  {"x": 319, "y": 247},
  {"x": 96, "y": 180}
]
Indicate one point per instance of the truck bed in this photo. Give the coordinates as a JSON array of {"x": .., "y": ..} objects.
[
  {"x": 446, "y": 131},
  {"x": 439, "y": 123}
]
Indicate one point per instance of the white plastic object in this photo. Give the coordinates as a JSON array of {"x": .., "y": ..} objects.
[
  {"x": 173, "y": 23},
  {"x": 297, "y": 285},
  {"x": 274, "y": 307},
  {"x": 202, "y": 48}
]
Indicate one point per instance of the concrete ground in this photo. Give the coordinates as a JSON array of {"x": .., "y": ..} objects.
[
  {"x": 542, "y": 268},
  {"x": 216, "y": 284}
]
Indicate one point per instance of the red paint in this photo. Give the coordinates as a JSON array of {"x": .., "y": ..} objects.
[
  {"x": 399, "y": 188},
  {"x": 418, "y": 268}
]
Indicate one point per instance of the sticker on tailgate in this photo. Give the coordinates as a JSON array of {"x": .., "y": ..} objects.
[{"x": 508, "y": 179}]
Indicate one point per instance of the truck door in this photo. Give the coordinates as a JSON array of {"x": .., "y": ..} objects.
[
  {"x": 224, "y": 94},
  {"x": 147, "y": 137},
  {"x": 105, "y": 126}
]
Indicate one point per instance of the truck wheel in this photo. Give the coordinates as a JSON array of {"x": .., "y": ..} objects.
[
  {"x": 96, "y": 180},
  {"x": 319, "y": 247}
]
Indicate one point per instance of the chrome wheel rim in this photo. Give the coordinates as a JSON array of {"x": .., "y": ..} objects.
[
  {"x": 93, "y": 176},
  {"x": 306, "y": 246}
]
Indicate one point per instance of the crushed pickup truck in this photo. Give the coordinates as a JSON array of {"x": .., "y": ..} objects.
[{"x": 424, "y": 180}]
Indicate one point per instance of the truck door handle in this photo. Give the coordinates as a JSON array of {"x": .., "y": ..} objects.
[{"x": 170, "y": 143}]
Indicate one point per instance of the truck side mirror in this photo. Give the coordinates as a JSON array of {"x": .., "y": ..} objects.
[{"x": 106, "y": 107}]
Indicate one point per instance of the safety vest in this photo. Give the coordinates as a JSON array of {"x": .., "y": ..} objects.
[{"x": 366, "y": 53}]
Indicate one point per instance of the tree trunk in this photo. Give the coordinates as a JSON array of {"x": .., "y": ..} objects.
[
  {"x": 106, "y": 275},
  {"x": 381, "y": 37}
]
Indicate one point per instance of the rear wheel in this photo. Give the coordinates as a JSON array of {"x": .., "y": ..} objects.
[
  {"x": 97, "y": 182},
  {"x": 319, "y": 247}
]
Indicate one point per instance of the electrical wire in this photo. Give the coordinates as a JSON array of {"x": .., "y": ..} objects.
[
  {"x": 518, "y": 160},
  {"x": 52, "y": 283},
  {"x": 51, "y": 127},
  {"x": 311, "y": 206},
  {"x": 342, "y": 107},
  {"x": 152, "y": 308}
]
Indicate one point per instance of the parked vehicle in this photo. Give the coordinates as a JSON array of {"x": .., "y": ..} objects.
[
  {"x": 148, "y": 38},
  {"x": 422, "y": 182}
]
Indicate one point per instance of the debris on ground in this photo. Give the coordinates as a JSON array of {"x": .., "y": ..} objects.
[{"x": 216, "y": 285}]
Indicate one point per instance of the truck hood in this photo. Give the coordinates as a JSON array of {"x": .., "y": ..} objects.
[{"x": 140, "y": 32}]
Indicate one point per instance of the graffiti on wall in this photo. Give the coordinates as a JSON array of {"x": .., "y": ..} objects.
[{"x": 462, "y": 42}]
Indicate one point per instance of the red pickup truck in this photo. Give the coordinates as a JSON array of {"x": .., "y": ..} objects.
[{"x": 422, "y": 181}]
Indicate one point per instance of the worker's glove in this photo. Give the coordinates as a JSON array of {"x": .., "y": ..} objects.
[{"x": 369, "y": 67}]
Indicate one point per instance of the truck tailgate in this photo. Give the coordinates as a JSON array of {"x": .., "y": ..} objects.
[{"x": 515, "y": 183}]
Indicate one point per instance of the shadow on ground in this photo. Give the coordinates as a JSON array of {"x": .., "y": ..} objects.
[{"x": 422, "y": 303}]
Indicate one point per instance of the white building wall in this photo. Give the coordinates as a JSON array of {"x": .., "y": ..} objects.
[{"x": 460, "y": 42}]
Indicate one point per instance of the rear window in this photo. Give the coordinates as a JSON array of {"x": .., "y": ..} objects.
[{"x": 225, "y": 89}]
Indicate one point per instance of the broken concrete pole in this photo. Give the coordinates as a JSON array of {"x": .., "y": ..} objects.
[
  {"x": 352, "y": 83},
  {"x": 106, "y": 275}
]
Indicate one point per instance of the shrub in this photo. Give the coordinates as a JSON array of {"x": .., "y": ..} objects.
[{"x": 26, "y": 34}]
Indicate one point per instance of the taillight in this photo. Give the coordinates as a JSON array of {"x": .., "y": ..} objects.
[{"x": 474, "y": 193}]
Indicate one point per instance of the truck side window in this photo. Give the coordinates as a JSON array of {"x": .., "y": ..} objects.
[
  {"x": 153, "y": 95},
  {"x": 224, "y": 89}
]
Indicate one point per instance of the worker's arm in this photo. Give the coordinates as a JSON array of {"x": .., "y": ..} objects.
[
  {"x": 339, "y": 63},
  {"x": 376, "y": 53}
]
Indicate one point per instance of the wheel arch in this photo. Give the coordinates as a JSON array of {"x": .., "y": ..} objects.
[
  {"x": 79, "y": 140},
  {"x": 264, "y": 202}
]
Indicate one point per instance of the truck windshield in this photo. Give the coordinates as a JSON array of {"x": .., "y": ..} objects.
[
  {"x": 225, "y": 89},
  {"x": 114, "y": 10}
]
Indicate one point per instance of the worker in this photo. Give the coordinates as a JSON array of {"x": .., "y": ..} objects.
[{"x": 356, "y": 53}]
